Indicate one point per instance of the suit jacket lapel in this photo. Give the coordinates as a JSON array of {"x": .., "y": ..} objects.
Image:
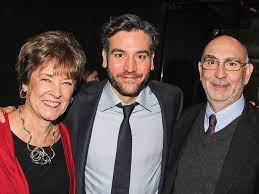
[
  {"x": 166, "y": 135},
  {"x": 167, "y": 120},
  {"x": 88, "y": 106},
  {"x": 242, "y": 142}
]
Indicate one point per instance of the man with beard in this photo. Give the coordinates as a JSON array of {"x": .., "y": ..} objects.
[
  {"x": 215, "y": 145},
  {"x": 94, "y": 118}
]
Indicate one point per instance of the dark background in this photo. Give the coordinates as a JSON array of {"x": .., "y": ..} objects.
[{"x": 185, "y": 27}]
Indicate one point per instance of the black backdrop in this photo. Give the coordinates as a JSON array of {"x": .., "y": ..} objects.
[{"x": 185, "y": 27}]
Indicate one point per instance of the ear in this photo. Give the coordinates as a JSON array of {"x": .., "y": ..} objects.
[
  {"x": 105, "y": 62},
  {"x": 152, "y": 62},
  {"x": 248, "y": 72}
]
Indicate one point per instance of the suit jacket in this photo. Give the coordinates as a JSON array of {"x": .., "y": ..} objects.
[
  {"x": 240, "y": 171},
  {"x": 81, "y": 115}
]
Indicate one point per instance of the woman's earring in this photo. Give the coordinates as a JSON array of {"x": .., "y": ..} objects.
[
  {"x": 23, "y": 94},
  {"x": 71, "y": 100}
]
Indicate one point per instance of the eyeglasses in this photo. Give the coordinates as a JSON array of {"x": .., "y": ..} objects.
[{"x": 212, "y": 64}]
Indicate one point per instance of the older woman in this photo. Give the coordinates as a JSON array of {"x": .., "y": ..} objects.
[{"x": 35, "y": 149}]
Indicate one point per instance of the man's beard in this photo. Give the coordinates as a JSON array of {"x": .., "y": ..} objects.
[{"x": 120, "y": 88}]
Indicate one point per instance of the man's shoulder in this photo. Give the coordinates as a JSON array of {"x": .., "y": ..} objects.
[
  {"x": 195, "y": 108},
  {"x": 164, "y": 87},
  {"x": 88, "y": 88},
  {"x": 192, "y": 111},
  {"x": 86, "y": 96},
  {"x": 87, "y": 93},
  {"x": 168, "y": 95}
]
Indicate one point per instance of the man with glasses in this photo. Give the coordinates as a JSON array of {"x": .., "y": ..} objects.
[{"x": 216, "y": 145}]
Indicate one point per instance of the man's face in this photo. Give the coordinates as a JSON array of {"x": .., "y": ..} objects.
[
  {"x": 221, "y": 86},
  {"x": 128, "y": 63}
]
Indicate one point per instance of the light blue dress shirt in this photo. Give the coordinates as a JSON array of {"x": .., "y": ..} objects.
[
  {"x": 147, "y": 144},
  {"x": 226, "y": 115}
]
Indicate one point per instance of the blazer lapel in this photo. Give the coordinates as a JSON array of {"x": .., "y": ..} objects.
[
  {"x": 88, "y": 106},
  {"x": 238, "y": 151},
  {"x": 167, "y": 130},
  {"x": 167, "y": 121}
]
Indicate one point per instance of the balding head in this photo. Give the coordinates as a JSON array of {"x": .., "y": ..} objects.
[
  {"x": 227, "y": 44},
  {"x": 224, "y": 71}
]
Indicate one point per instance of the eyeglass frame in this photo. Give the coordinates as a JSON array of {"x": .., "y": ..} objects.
[{"x": 218, "y": 62}]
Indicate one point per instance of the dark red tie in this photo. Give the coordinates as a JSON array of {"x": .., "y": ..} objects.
[
  {"x": 212, "y": 124},
  {"x": 122, "y": 166}
]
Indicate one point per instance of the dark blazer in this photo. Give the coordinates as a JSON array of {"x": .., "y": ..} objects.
[
  {"x": 81, "y": 114},
  {"x": 240, "y": 171}
]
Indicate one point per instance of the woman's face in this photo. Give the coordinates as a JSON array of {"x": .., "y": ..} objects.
[{"x": 48, "y": 94}]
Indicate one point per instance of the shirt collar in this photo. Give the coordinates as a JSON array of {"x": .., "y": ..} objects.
[
  {"x": 109, "y": 99},
  {"x": 225, "y": 116},
  {"x": 145, "y": 98}
]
